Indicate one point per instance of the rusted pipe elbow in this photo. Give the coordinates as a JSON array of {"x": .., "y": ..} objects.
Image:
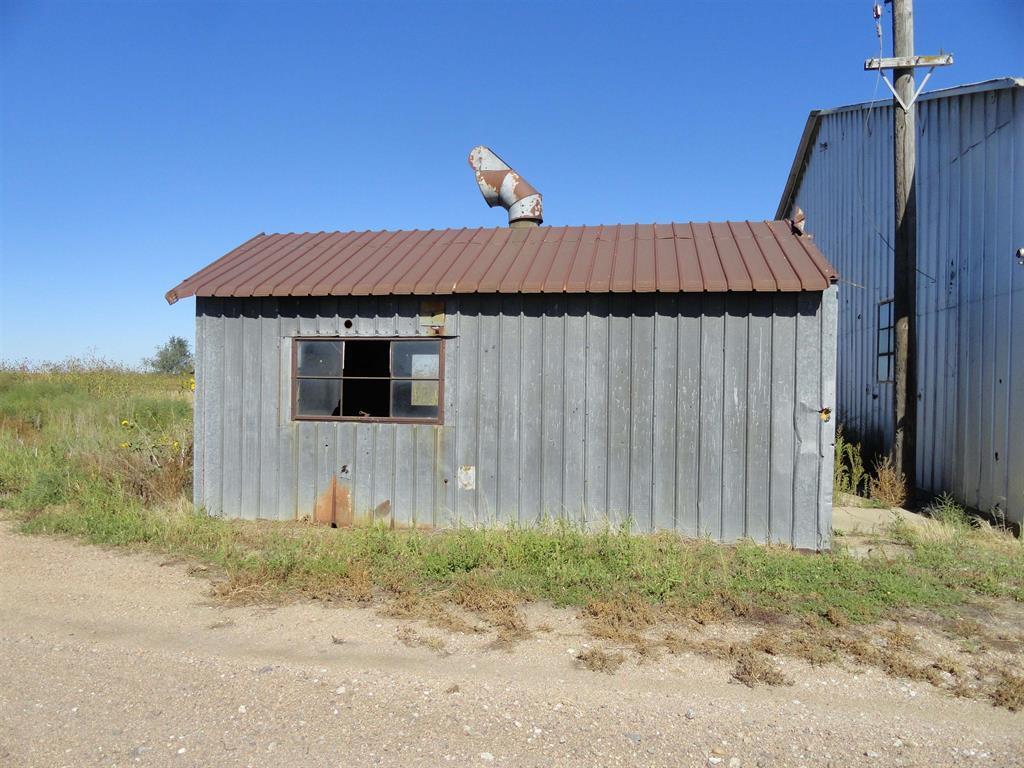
[{"x": 500, "y": 185}]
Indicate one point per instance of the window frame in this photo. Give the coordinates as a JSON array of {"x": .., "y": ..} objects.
[
  {"x": 294, "y": 374},
  {"x": 890, "y": 329}
]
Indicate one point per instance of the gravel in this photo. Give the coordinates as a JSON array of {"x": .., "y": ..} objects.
[{"x": 108, "y": 659}]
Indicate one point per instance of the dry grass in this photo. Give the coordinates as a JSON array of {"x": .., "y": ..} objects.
[
  {"x": 706, "y": 612},
  {"x": 500, "y": 608},
  {"x": 619, "y": 620},
  {"x": 898, "y": 639},
  {"x": 597, "y": 660},
  {"x": 949, "y": 665},
  {"x": 413, "y": 605},
  {"x": 1009, "y": 691},
  {"x": 410, "y": 638},
  {"x": 245, "y": 588},
  {"x": 754, "y": 669},
  {"x": 966, "y": 627},
  {"x": 837, "y": 617},
  {"x": 887, "y": 485}
]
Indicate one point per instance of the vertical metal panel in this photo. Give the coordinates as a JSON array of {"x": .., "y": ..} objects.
[
  {"x": 783, "y": 438},
  {"x": 970, "y": 288},
  {"x": 692, "y": 412},
  {"x": 826, "y": 441},
  {"x": 425, "y": 457},
  {"x": 231, "y": 428},
  {"x": 806, "y": 419},
  {"x": 209, "y": 402},
  {"x": 734, "y": 418},
  {"x": 666, "y": 383},
  {"x": 595, "y": 440},
  {"x": 532, "y": 384},
  {"x": 509, "y": 377},
  {"x": 1015, "y": 372},
  {"x": 759, "y": 413},
  {"x": 307, "y": 443},
  {"x": 251, "y": 390},
  {"x": 574, "y": 404},
  {"x": 488, "y": 376},
  {"x": 403, "y": 503},
  {"x": 709, "y": 445},
  {"x": 287, "y": 439},
  {"x": 641, "y": 410},
  {"x": 619, "y": 419},
  {"x": 467, "y": 400},
  {"x": 688, "y": 410},
  {"x": 269, "y": 331},
  {"x": 552, "y": 405}
]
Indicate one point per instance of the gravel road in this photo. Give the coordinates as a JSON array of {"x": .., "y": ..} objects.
[{"x": 114, "y": 659}]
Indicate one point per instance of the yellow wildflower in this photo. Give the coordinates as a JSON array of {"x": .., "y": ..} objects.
[
  {"x": 124, "y": 445},
  {"x": 124, "y": 422}
]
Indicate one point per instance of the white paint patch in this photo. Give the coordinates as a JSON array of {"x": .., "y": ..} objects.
[{"x": 467, "y": 477}]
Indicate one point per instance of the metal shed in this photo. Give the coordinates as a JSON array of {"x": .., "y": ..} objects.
[
  {"x": 680, "y": 375},
  {"x": 970, "y": 284}
]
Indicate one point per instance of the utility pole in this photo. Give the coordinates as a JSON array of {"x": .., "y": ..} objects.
[
  {"x": 904, "y": 305},
  {"x": 904, "y": 295}
]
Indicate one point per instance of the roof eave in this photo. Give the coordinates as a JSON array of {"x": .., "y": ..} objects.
[
  {"x": 814, "y": 119},
  {"x": 796, "y": 171}
]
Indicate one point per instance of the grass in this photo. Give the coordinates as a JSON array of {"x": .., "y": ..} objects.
[
  {"x": 597, "y": 660},
  {"x": 104, "y": 455},
  {"x": 887, "y": 484},
  {"x": 848, "y": 467}
]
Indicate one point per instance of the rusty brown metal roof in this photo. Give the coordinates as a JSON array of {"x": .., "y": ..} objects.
[{"x": 639, "y": 258}]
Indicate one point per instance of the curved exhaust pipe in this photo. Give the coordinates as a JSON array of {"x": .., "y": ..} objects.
[{"x": 500, "y": 185}]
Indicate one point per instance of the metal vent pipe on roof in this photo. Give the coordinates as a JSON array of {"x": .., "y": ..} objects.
[{"x": 500, "y": 185}]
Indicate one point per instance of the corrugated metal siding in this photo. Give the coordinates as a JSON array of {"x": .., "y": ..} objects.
[
  {"x": 696, "y": 413},
  {"x": 970, "y": 208}
]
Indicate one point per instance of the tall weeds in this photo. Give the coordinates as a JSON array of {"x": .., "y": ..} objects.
[
  {"x": 887, "y": 484},
  {"x": 69, "y": 433},
  {"x": 848, "y": 469}
]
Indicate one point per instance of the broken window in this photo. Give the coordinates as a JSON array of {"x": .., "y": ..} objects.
[
  {"x": 373, "y": 379},
  {"x": 886, "y": 351}
]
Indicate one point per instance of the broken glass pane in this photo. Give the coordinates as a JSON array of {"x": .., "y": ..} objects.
[
  {"x": 367, "y": 358},
  {"x": 363, "y": 398}
]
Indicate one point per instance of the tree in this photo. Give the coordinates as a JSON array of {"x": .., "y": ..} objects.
[{"x": 173, "y": 357}]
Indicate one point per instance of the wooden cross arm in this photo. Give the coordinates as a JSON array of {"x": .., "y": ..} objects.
[{"x": 908, "y": 62}]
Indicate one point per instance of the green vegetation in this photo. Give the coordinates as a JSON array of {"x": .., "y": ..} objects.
[
  {"x": 848, "y": 468},
  {"x": 104, "y": 454},
  {"x": 884, "y": 486},
  {"x": 172, "y": 357}
]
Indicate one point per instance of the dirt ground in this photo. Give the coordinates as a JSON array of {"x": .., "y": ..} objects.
[{"x": 114, "y": 659}]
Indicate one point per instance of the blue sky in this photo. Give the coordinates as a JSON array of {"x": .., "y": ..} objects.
[{"x": 141, "y": 141}]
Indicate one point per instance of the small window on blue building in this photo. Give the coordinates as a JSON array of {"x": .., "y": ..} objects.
[
  {"x": 886, "y": 349},
  {"x": 367, "y": 379}
]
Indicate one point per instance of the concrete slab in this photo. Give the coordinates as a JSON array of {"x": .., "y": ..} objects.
[{"x": 862, "y": 521}]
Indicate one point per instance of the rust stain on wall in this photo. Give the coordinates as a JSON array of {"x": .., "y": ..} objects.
[
  {"x": 342, "y": 505},
  {"x": 323, "y": 511},
  {"x": 334, "y": 505},
  {"x": 383, "y": 510}
]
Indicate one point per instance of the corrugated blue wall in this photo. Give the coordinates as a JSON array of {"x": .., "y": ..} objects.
[
  {"x": 970, "y": 216},
  {"x": 692, "y": 412}
]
